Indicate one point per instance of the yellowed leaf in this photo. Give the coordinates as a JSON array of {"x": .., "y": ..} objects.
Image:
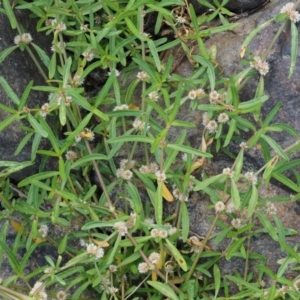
[
  {"x": 16, "y": 226},
  {"x": 38, "y": 240},
  {"x": 242, "y": 53},
  {"x": 153, "y": 276},
  {"x": 166, "y": 193},
  {"x": 133, "y": 107},
  {"x": 101, "y": 243}
]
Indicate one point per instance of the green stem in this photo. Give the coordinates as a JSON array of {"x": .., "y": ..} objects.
[{"x": 201, "y": 249}]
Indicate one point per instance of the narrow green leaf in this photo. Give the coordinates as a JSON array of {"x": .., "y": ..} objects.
[
  {"x": 272, "y": 114},
  {"x": 268, "y": 226},
  {"x": 185, "y": 221},
  {"x": 235, "y": 195},
  {"x": 210, "y": 69},
  {"x": 42, "y": 54},
  {"x": 234, "y": 248},
  {"x": 8, "y": 121},
  {"x": 14, "y": 167},
  {"x": 37, "y": 126},
  {"x": 275, "y": 146},
  {"x": 232, "y": 127},
  {"x": 63, "y": 244},
  {"x": 154, "y": 54},
  {"x": 294, "y": 47},
  {"x": 158, "y": 204},
  {"x": 206, "y": 182},
  {"x": 190, "y": 150},
  {"x": 6, "y": 52},
  {"x": 164, "y": 288},
  {"x": 177, "y": 255},
  {"x": 8, "y": 90},
  {"x": 86, "y": 159},
  {"x": 130, "y": 138},
  {"x": 217, "y": 279},
  {"x": 252, "y": 201},
  {"x": 10, "y": 14}
]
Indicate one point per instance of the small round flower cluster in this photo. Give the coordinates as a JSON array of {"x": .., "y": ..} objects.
[
  {"x": 84, "y": 27},
  {"x": 38, "y": 291},
  {"x": 271, "y": 208},
  {"x": 219, "y": 206},
  {"x": 121, "y": 226},
  {"x": 61, "y": 295},
  {"x": 121, "y": 107},
  {"x": 243, "y": 145},
  {"x": 115, "y": 71},
  {"x": 86, "y": 133},
  {"x": 251, "y": 177},
  {"x": 161, "y": 176},
  {"x": 59, "y": 26},
  {"x": 196, "y": 244},
  {"x": 140, "y": 125},
  {"x": 76, "y": 80},
  {"x": 132, "y": 220},
  {"x": 88, "y": 55},
  {"x": 60, "y": 46},
  {"x": 230, "y": 207},
  {"x": 178, "y": 195},
  {"x": 157, "y": 233},
  {"x": 193, "y": 94},
  {"x": 153, "y": 96},
  {"x": 95, "y": 250},
  {"x": 43, "y": 230},
  {"x": 184, "y": 156},
  {"x": 152, "y": 168},
  {"x": 228, "y": 172},
  {"x": 223, "y": 118},
  {"x": 25, "y": 38},
  {"x": 142, "y": 76},
  {"x": 44, "y": 110},
  {"x": 289, "y": 10},
  {"x": 124, "y": 172},
  {"x": 236, "y": 223},
  {"x": 261, "y": 66},
  {"x": 181, "y": 20},
  {"x": 71, "y": 155},
  {"x": 214, "y": 96},
  {"x": 154, "y": 257},
  {"x": 212, "y": 126}
]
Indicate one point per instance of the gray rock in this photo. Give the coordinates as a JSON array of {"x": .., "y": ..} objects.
[
  {"x": 18, "y": 70},
  {"x": 233, "y": 5}
]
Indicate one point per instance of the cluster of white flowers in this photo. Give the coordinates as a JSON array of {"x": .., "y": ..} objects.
[
  {"x": 154, "y": 257},
  {"x": 121, "y": 226},
  {"x": 86, "y": 133},
  {"x": 289, "y": 10},
  {"x": 115, "y": 71},
  {"x": 113, "y": 268},
  {"x": 230, "y": 207},
  {"x": 178, "y": 195},
  {"x": 88, "y": 55},
  {"x": 43, "y": 230},
  {"x": 214, "y": 96},
  {"x": 236, "y": 223},
  {"x": 181, "y": 20},
  {"x": 157, "y": 233},
  {"x": 132, "y": 220},
  {"x": 44, "y": 110},
  {"x": 142, "y": 76},
  {"x": 228, "y": 172},
  {"x": 212, "y": 126},
  {"x": 121, "y": 107},
  {"x": 223, "y": 118},
  {"x": 219, "y": 206},
  {"x": 77, "y": 81},
  {"x": 61, "y": 295},
  {"x": 153, "y": 96},
  {"x": 271, "y": 208},
  {"x": 38, "y": 291},
  {"x": 195, "y": 243},
  {"x": 251, "y": 177},
  {"x": 152, "y": 168},
  {"x": 84, "y": 27},
  {"x": 161, "y": 176},
  {"x": 193, "y": 94},
  {"x": 25, "y": 38},
  {"x": 60, "y": 46},
  {"x": 261, "y": 66},
  {"x": 139, "y": 125},
  {"x": 243, "y": 145},
  {"x": 143, "y": 268},
  {"x": 71, "y": 155},
  {"x": 95, "y": 250},
  {"x": 124, "y": 172}
]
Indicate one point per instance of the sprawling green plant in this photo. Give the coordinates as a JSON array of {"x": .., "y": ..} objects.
[{"x": 116, "y": 239}]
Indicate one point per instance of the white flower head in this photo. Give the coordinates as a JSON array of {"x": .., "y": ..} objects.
[
  {"x": 192, "y": 94},
  {"x": 251, "y": 177},
  {"x": 26, "y": 38},
  {"x": 142, "y": 76},
  {"x": 121, "y": 227},
  {"x": 153, "y": 96},
  {"x": 289, "y": 10},
  {"x": 143, "y": 267},
  {"x": 161, "y": 176},
  {"x": 219, "y": 206},
  {"x": 89, "y": 55},
  {"x": 261, "y": 66},
  {"x": 214, "y": 97},
  {"x": 223, "y": 118},
  {"x": 121, "y": 107},
  {"x": 212, "y": 126},
  {"x": 43, "y": 230},
  {"x": 154, "y": 257},
  {"x": 139, "y": 125}
]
